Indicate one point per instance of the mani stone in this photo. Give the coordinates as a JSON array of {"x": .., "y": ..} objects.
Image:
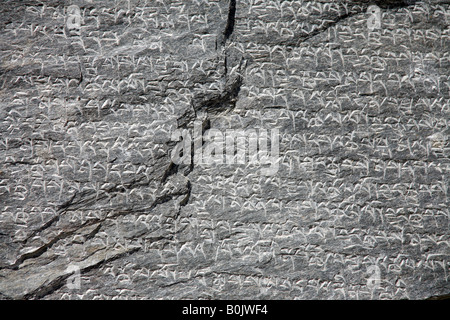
[{"x": 92, "y": 205}]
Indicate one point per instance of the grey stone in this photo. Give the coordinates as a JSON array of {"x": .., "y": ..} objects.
[{"x": 93, "y": 205}]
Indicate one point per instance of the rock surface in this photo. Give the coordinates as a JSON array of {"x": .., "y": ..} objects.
[{"x": 93, "y": 207}]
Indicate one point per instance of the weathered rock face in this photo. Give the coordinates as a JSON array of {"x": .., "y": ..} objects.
[{"x": 93, "y": 205}]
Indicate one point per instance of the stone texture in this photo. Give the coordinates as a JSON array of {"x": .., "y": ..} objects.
[{"x": 86, "y": 177}]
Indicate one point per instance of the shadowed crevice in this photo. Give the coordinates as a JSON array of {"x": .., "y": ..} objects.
[{"x": 230, "y": 21}]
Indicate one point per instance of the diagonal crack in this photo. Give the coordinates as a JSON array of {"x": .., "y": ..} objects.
[
  {"x": 42, "y": 249},
  {"x": 440, "y": 297},
  {"x": 328, "y": 25},
  {"x": 165, "y": 196}
]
